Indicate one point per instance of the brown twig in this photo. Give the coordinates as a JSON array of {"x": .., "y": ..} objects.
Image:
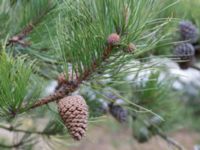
[
  {"x": 69, "y": 87},
  {"x": 18, "y": 38},
  {"x": 171, "y": 141},
  {"x": 63, "y": 90},
  {"x": 12, "y": 129},
  {"x": 160, "y": 133},
  {"x": 11, "y": 146}
]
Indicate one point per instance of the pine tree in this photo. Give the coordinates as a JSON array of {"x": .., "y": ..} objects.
[{"x": 88, "y": 48}]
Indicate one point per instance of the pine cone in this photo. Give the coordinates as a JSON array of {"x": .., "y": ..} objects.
[
  {"x": 186, "y": 64},
  {"x": 185, "y": 51},
  {"x": 62, "y": 78},
  {"x": 113, "y": 39},
  {"x": 118, "y": 113},
  {"x": 143, "y": 135},
  {"x": 74, "y": 113},
  {"x": 131, "y": 47},
  {"x": 189, "y": 31}
]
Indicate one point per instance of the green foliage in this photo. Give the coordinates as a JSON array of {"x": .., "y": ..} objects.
[
  {"x": 72, "y": 34},
  {"x": 83, "y": 27},
  {"x": 14, "y": 81},
  {"x": 17, "y": 16},
  {"x": 158, "y": 96},
  {"x": 54, "y": 127},
  {"x": 186, "y": 9}
]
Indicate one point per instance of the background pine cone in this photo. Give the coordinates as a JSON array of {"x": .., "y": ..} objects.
[
  {"x": 188, "y": 31},
  {"x": 184, "y": 51},
  {"x": 74, "y": 113},
  {"x": 119, "y": 113},
  {"x": 143, "y": 135},
  {"x": 186, "y": 64}
]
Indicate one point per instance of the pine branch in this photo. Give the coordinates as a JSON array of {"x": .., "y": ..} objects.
[
  {"x": 170, "y": 141},
  {"x": 65, "y": 89},
  {"x": 12, "y": 146},
  {"x": 70, "y": 87},
  {"x": 12, "y": 129},
  {"x": 158, "y": 131},
  {"x": 18, "y": 38}
]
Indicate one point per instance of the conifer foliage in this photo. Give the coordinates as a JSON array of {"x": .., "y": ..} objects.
[{"x": 85, "y": 47}]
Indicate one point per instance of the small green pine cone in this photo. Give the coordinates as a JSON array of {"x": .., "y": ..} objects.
[
  {"x": 143, "y": 135},
  {"x": 130, "y": 48}
]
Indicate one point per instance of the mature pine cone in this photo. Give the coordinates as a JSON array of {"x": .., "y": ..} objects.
[
  {"x": 186, "y": 64},
  {"x": 184, "y": 51},
  {"x": 118, "y": 113},
  {"x": 189, "y": 31},
  {"x": 74, "y": 113}
]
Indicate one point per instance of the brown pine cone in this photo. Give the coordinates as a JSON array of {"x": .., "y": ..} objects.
[{"x": 74, "y": 113}]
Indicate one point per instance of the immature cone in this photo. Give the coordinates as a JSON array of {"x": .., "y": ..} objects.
[
  {"x": 62, "y": 78},
  {"x": 130, "y": 48},
  {"x": 74, "y": 113},
  {"x": 143, "y": 135},
  {"x": 186, "y": 52},
  {"x": 119, "y": 113},
  {"x": 113, "y": 39},
  {"x": 188, "y": 31}
]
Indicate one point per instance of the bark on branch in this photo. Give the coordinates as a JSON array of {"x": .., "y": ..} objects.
[{"x": 69, "y": 87}]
